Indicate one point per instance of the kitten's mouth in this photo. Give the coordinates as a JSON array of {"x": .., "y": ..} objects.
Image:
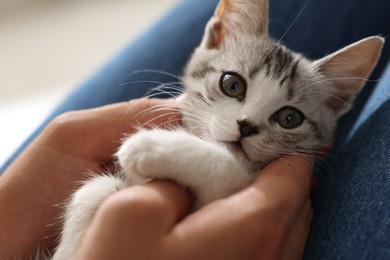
[{"x": 236, "y": 148}]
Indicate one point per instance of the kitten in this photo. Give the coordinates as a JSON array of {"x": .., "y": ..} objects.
[{"x": 247, "y": 101}]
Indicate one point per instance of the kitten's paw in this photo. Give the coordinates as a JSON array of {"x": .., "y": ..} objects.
[
  {"x": 147, "y": 154},
  {"x": 208, "y": 169}
]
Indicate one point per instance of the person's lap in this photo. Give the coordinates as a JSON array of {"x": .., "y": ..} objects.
[
  {"x": 322, "y": 27},
  {"x": 351, "y": 212},
  {"x": 379, "y": 96},
  {"x": 351, "y": 218}
]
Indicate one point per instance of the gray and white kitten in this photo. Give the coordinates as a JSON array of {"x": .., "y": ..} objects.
[{"x": 247, "y": 101}]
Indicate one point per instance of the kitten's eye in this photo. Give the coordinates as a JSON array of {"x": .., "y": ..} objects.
[
  {"x": 289, "y": 117},
  {"x": 232, "y": 85}
]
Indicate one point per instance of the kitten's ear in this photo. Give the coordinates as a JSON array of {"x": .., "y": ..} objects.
[
  {"x": 234, "y": 18},
  {"x": 348, "y": 69}
]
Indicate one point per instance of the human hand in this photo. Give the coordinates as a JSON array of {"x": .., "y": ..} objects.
[
  {"x": 54, "y": 165},
  {"x": 268, "y": 220}
]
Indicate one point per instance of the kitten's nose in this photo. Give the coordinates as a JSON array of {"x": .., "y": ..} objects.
[{"x": 247, "y": 128}]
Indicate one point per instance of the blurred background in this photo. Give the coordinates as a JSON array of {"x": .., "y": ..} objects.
[{"x": 48, "y": 47}]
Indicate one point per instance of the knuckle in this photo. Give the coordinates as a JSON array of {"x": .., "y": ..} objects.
[
  {"x": 132, "y": 205},
  {"x": 63, "y": 123},
  {"x": 141, "y": 102}
]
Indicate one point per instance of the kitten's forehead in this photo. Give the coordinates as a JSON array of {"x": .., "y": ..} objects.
[
  {"x": 264, "y": 64},
  {"x": 252, "y": 55},
  {"x": 247, "y": 55},
  {"x": 244, "y": 54},
  {"x": 266, "y": 94},
  {"x": 271, "y": 70}
]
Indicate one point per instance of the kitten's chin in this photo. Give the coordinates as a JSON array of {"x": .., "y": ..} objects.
[{"x": 236, "y": 149}]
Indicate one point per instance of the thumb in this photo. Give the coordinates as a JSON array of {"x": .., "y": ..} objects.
[{"x": 286, "y": 181}]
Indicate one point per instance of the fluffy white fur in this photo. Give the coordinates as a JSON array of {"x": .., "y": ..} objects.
[{"x": 81, "y": 210}]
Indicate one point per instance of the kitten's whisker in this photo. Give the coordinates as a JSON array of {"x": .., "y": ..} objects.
[
  {"x": 142, "y": 81},
  {"x": 200, "y": 104},
  {"x": 195, "y": 120},
  {"x": 161, "y": 86},
  {"x": 287, "y": 31},
  {"x": 150, "y": 122},
  {"x": 349, "y": 105},
  {"x": 294, "y": 22},
  {"x": 197, "y": 112},
  {"x": 169, "y": 125},
  {"x": 170, "y": 94},
  {"x": 167, "y": 86},
  {"x": 157, "y": 72},
  {"x": 341, "y": 78},
  {"x": 167, "y": 114}
]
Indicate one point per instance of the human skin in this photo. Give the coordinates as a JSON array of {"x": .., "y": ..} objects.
[
  {"x": 268, "y": 220},
  {"x": 51, "y": 168}
]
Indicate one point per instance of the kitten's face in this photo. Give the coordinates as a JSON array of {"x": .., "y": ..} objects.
[
  {"x": 246, "y": 91},
  {"x": 259, "y": 94}
]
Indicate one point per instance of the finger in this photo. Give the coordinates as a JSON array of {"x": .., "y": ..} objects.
[
  {"x": 137, "y": 219},
  {"x": 144, "y": 113},
  {"x": 155, "y": 206},
  {"x": 127, "y": 118},
  {"x": 264, "y": 212},
  {"x": 174, "y": 203},
  {"x": 297, "y": 237},
  {"x": 98, "y": 132},
  {"x": 285, "y": 183}
]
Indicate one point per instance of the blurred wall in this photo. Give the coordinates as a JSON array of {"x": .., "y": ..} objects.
[{"x": 50, "y": 43}]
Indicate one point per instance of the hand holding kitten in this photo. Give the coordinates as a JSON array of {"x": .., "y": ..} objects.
[
  {"x": 268, "y": 220},
  {"x": 36, "y": 186},
  {"x": 82, "y": 141}
]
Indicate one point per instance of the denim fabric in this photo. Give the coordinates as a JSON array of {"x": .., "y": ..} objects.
[
  {"x": 380, "y": 95},
  {"x": 352, "y": 212}
]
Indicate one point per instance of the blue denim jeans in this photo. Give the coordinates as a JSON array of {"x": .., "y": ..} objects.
[{"x": 352, "y": 213}]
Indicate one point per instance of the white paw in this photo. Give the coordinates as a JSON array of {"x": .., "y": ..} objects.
[
  {"x": 147, "y": 154},
  {"x": 208, "y": 169}
]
